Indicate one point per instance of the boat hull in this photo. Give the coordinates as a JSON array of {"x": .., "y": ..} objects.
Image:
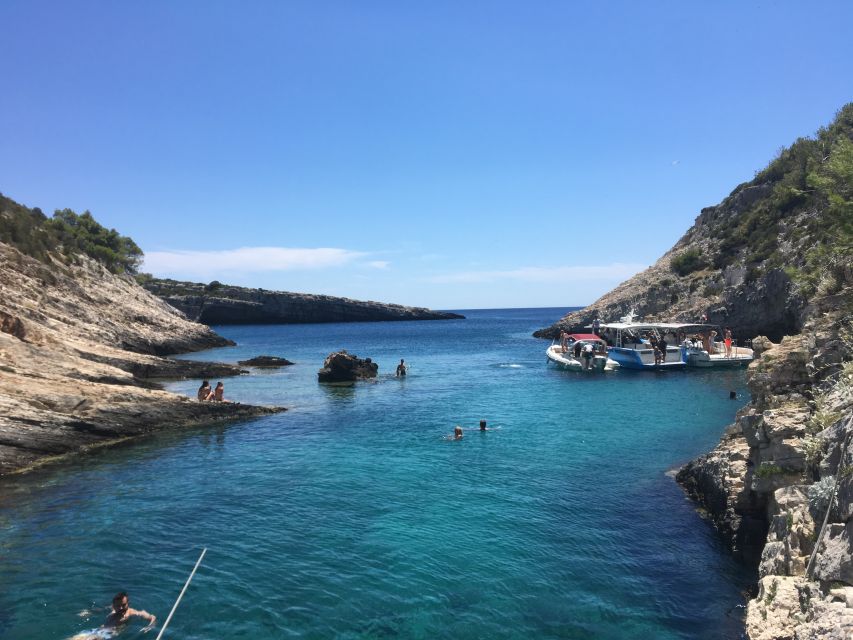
[
  {"x": 569, "y": 363},
  {"x": 643, "y": 359}
]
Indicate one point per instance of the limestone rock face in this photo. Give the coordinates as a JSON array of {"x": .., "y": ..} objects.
[
  {"x": 223, "y": 304},
  {"x": 344, "y": 367},
  {"x": 78, "y": 348},
  {"x": 798, "y": 429},
  {"x": 764, "y": 304}
]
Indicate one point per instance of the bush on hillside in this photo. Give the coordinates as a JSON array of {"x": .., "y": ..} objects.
[
  {"x": 687, "y": 262},
  {"x": 66, "y": 234}
]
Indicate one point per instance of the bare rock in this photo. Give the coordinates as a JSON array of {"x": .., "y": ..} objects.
[
  {"x": 344, "y": 367},
  {"x": 269, "y": 362},
  {"x": 79, "y": 348}
]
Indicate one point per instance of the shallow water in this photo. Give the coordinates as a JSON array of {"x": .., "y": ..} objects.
[{"x": 350, "y": 516}]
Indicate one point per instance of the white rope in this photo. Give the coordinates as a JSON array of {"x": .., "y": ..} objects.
[{"x": 186, "y": 584}]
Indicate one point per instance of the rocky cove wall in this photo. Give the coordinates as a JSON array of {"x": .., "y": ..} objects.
[
  {"x": 79, "y": 349},
  {"x": 767, "y": 485}
]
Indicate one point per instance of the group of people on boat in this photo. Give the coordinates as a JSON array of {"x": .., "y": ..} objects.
[
  {"x": 206, "y": 394},
  {"x": 583, "y": 350},
  {"x": 708, "y": 341}
]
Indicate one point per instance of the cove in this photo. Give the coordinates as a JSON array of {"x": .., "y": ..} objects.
[{"x": 350, "y": 516}]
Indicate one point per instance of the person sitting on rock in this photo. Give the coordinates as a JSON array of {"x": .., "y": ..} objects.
[
  {"x": 205, "y": 393},
  {"x": 219, "y": 393}
]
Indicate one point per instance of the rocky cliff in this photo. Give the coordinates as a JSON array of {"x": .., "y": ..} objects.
[
  {"x": 216, "y": 303},
  {"x": 79, "y": 349},
  {"x": 779, "y": 486},
  {"x": 774, "y": 261},
  {"x": 754, "y": 261}
]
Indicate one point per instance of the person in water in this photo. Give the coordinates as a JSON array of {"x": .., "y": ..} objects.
[
  {"x": 205, "y": 393},
  {"x": 483, "y": 425},
  {"x": 122, "y": 612},
  {"x": 457, "y": 433},
  {"x": 401, "y": 369}
]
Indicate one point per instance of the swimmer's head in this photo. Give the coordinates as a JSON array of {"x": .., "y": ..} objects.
[
  {"x": 120, "y": 602},
  {"x": 482, "y": 425},
  {"x": 457, "y": 431}
]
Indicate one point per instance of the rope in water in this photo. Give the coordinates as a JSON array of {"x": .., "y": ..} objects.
[{"x": 186, "y": 584}]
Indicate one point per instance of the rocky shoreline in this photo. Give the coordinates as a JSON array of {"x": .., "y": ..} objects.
[
  {"x": 779, "y": 486},
  {"x": 216, "y": 303},
  {"x": 81, "y": 354}
]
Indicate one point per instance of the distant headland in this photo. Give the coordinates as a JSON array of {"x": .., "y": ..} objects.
[{"x": 217, "y": 303}]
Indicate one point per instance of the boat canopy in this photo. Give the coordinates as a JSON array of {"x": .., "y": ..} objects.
[
  {"x": 577, "y": 337},
  {"x": 664, "y": 326}
]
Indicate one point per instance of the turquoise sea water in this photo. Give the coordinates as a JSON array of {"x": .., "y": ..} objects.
[{"x": 350, "y": 516}]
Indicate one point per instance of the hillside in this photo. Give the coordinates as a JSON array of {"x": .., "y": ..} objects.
[
  {"x": 81, "y": 345},
  {"x": 754, "y": 261},
  {"x": 217, "y": 303}
]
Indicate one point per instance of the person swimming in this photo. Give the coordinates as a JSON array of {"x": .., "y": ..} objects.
[
  {"x": 483, "y": 425},
  {"x": 456, "y": 435},
  {"x": 122, "y": 612},
  {"x": 119, "y": 616}
]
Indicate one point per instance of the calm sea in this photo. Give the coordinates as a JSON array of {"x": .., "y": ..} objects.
[{"x": 350, "y": 516}]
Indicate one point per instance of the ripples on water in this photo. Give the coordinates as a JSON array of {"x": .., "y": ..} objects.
[{"x": 350, "y": 516}]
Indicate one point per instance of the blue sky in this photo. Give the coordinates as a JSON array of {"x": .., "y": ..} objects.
[{"x": 446, "y": 154}]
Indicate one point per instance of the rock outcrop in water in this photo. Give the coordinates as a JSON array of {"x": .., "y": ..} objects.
[
  {"x": 216, "y": 303},
  {"x": 80, "y": 350},
  {"x": 265, "y": 362},
  {"x": 346, "y": 367},
  {"x": 779, "y": 486}
]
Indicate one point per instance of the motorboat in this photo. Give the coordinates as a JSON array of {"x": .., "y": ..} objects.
[
  {"x": 635, "y": 345},
  {"x": 580, "y": 352},
  {"x": 700, "y": 349}
]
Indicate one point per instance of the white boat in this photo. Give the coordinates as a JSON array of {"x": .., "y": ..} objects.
[
  {"x": 701, "y": 350},
  {"x": 635, "y": 345},
  {"x": 580, "y": 352}
]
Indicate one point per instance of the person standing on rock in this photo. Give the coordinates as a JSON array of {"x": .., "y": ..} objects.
[
  {"x": 205, "y": 393},
  {"x": 401, "y": 369},
  {"x": 727, "y": 340}
]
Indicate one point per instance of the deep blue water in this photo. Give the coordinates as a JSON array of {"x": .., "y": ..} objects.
[{"x": 350, "y": 516}]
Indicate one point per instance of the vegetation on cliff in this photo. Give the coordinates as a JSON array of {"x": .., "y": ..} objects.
[
  {"x": 803, "y": 219},
  {"x": 755, "y": 261},
  {"x": 66, "y": 235}
]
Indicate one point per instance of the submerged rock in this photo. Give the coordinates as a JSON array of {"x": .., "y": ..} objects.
[
  {"x": 267, "y": 362},
  {"x": 345, "y": 367}
]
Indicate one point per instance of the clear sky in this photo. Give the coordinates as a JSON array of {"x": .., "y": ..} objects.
[{"x": 450, "y": 154}]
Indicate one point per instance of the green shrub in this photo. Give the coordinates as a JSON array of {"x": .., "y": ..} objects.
[
  {"x": 65, "y": 235},
  {"x": 687, "y": 262},
  {"x": 768, "y": 469}
]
